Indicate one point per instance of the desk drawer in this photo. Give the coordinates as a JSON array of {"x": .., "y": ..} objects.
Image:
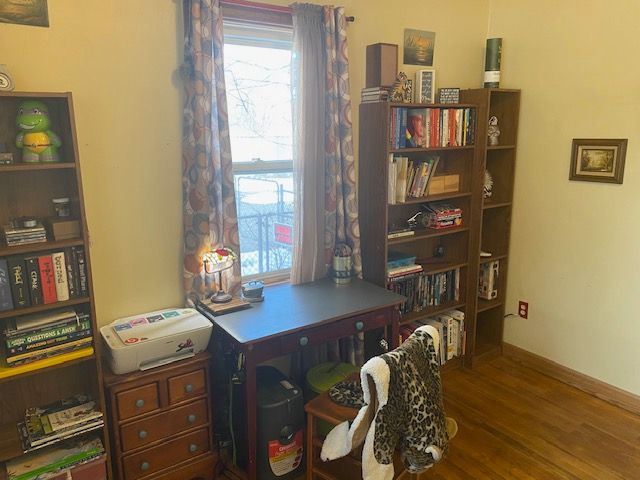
[
  {"x": 189, "y": 385},
  {"x": 137, "y": 401},
  {"x": 203, "y": 469},
  {"x": 163, "y": 425},
  {"x": 333, "y": 330},
  {"x": 166, "y": 455}
]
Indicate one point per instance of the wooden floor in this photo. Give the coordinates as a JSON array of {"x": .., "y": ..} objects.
[{"x": 515, "y": 423}]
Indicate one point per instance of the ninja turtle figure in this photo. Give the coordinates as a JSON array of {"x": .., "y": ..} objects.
[{"x": 38, "y": 143}]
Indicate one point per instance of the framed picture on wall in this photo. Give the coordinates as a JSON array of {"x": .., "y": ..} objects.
[
  {"x": 598, "y": 160},
  {"x": 425, "y": 85}
]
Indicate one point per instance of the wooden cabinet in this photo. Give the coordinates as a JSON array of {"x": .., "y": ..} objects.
[
  {"x": 161, "y": 422},
  {"x": 437, "y": 250},
  {"x": 27, "y": 190},
  {"x": 485, "y": 328}
]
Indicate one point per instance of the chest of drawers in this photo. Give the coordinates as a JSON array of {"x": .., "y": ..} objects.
[{"x": 160, "y": 422}]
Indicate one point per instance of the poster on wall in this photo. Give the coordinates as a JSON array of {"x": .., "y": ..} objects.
[
  {"x": 418, "y": 47},
  {"x": 25, "y": 12}
]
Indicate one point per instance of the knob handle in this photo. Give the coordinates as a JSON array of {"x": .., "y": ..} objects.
[
  {"x": 142, "y": 434},
  {"x": 359, "y": 326},
  {"x": 188, "y": 388},
  {"x": 191, "y": 418},
  {"x": 144, "y": 466},
  {"x": 139, "y": 403},
  {"x": 303, "y": 341},
  {"x": 193, "y": 447}
]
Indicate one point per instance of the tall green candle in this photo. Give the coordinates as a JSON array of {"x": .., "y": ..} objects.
[{"x": 492, "y": 61}]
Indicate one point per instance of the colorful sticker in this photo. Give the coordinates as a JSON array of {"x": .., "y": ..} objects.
[
  {"x": 154, "y": 318},
  {"x": 138, "y": 321},
  {"x": 171, "y": 314},
  {"x": 131, "y": 340},
  {"x": 121, "y": 326}
]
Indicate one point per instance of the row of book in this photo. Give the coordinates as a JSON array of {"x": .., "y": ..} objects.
[
  {"x": 431, "y": 127},
  {"x": 450, "y": 326},
  {"x": 409, "y": 178},
  {"x": 35, "y": 337},
  {"x": 424, "y": 290},
  {"x": 15, "y": 235},
  {"x": 374, "y": 94},
  {"x": 43, "y": 279}
]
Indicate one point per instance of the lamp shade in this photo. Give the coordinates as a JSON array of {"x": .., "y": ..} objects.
[{"x": 219, "y": 259}]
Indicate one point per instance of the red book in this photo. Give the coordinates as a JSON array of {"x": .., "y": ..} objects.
[{"x": 49, "y": 294}]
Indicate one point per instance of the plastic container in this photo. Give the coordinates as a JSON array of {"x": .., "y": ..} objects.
[{"x": 62, "y": 207}]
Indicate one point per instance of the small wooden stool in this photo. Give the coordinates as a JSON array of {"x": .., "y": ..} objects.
[{"x": 349, "y": 467}]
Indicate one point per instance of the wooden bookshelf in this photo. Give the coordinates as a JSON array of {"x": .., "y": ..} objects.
[
  {"x": 26, "y": 190},
  {"x": 486, "y": 322}
]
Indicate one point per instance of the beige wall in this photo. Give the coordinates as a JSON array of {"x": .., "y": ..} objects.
[
  {"x": 119, "y": 59},
  {"x": 574, "y": 244}
]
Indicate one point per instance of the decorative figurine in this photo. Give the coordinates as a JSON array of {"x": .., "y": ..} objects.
[
  {"x": 38, "y": 143},
  {"x": 487, "y": 189},
  {"x": 401, "y": 91},
  {"x": 493, "y": 131}
]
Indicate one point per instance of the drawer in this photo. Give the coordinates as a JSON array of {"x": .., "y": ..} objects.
[
  {"x": 165, "y": 455},
  {"x": 189, "y": 385},
  {"x": 203, "y": 469},
  {"x": 157, "y": 427},
  {"x": 137, "y": 401},
  {"x": 331, "y": 331}
]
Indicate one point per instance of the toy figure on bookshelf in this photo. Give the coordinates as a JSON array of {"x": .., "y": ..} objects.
[
  {"x": 402, "y": 89},
  {"x": 487, "y": 188},
  {"x": 493, "y": 131},
  {"x": 38, "y": 143}
]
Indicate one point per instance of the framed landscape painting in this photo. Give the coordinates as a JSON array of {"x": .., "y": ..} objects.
[
  {"x": 25, "y": 12},
  {"x": 598, "y": 160}
]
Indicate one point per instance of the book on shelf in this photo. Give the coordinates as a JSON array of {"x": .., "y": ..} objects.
[
  {"x": 401, "y": 232},
  {"x": 47, "y": 352},
  {"x": 33, "y": 278},
  {"x": 47, "y": 280},
  {"x": 57, "y": 437},
  {"x": 57, "y": 416},
  {"x": 6, "y": 299},
  {"x": 399, "y": 259},
  {"x": 451, "y": 330},
  {"x": 18, "y": 279},
  {"x": 409, "y": 178},
  {"x": 60, "y": 276},
  {"x": 431, "y": 127},
  {"x": 488, "y": 280},
  {"x": 64, "y": 455},
  {"x": 7, "y": 371},
  {"x": 403, "y": 270},
  {"x": 424, "y": 290}
]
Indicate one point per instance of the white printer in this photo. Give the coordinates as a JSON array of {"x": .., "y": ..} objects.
[{"x": 152, "y": 339}]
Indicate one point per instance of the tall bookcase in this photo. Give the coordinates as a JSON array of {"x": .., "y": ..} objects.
[
  {"x": 378, "y": 217},
  {"x": 485, "y": 328},
  {"x": 27, "y": 190}
]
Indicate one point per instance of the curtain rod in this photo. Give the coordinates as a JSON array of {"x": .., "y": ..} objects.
[{"x": 268, "y": 7}]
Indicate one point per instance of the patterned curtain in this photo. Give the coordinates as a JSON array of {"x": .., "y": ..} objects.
[
  {"x": 326, "y": 207},
  {"x": 209, "y": 208}
]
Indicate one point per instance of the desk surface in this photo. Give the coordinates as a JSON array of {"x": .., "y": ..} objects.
[{"x": 288, "y": 308}]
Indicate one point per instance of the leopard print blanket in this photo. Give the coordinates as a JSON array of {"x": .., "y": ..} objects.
[{"x": 403, "y": 410}]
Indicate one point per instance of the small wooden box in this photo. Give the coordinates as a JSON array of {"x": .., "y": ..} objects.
[
  {"x": 382, "y": 65},
  {"x": 63, "y": 229},
  {"x": 444, "y": 184}
]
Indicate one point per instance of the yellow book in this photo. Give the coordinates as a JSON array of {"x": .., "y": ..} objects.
[
  {"x": 6, "y": 371},
  {"x": 49, "y": 350}
]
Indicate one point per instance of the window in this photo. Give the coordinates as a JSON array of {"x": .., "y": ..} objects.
[{"x": 257, "y": 63}]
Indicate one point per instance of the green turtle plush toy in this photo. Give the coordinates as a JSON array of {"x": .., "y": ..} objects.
[{"x": 38, "y": 143}]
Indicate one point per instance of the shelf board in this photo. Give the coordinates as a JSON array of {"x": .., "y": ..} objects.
[
  {"x": 492, "y": 258},
  {"x": 431, "y": 198},
  {"x": 430, "y": 149},
  {"x": 39, "y": 247},
  {"x": 500, "y": 147},
  {"x": 488, "y": 205},
  {"x": 433, "y": 105},
  {"x": 484, "y": 305},
  {"x": 46, "y": 365},
  {"x": 22, "y": 167},
  {"x": 440, "y": 267},
  {"x": 429, "y": 312},
  {"x": 43, "y": 308},
  {"x": 426, "y": 233}
]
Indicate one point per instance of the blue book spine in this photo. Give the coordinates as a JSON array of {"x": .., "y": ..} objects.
[{"x": 6, "y": 302}]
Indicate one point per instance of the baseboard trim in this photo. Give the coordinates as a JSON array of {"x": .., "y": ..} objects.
[{"x": 590, "y": 385}]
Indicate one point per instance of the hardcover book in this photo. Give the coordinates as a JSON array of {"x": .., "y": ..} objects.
[
  {"x": 33, "y": 275},
  {"x": 60, "y": 276},
  {"x": 47, "y": 280},
  {"x": 72, "y": 271},
  {"x": 6, "y": 301},
  {"x": 83, "y": 284},
  {"x": 18, "y": 278}
]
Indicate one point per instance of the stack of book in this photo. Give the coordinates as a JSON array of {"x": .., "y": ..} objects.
[
  {"x": 44, "y": 426},
  {"x": 49, "y": 278},
  {"x": 431, "y": 127},
  {"x": 35, "y": 337},
  {"x": 450, "y": 326},
  {"x": 408, "y": 178},
  {"x": 57, "y": 461},
  {"x": 424, "y": 290},
  {"x": 15, "y": 235},
  {"x": 374, "y": 94},
  {"x": 442, "y": 215}
]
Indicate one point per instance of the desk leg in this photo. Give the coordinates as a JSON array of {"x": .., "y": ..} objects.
[
  {"x": 395, "y": 328},
  {"x": 252, "y": 408}
]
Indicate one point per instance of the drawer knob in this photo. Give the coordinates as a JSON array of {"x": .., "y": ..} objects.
[
  {"x": 188, "y": 388},
  {"x": 142, "y": 434},
  {"x": 144, "y": 466},
  {"x": 359, "y": 326},
  {"x": 191, "y": 418},
  {"x": 193, "y": 447},
  {"x": 139, "y": 403},
  {"x": 303, "y": 341}
]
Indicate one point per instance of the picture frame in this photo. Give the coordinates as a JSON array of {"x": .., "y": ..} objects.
[
  {"x": 598, "y": 160},
  {"x": 425, "y": 85}
]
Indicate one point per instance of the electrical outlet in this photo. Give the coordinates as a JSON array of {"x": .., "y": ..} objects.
[{"x": 523, "y": 309}]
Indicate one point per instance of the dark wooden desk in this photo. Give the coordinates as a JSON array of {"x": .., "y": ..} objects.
[{"x": 297, "y": 316}]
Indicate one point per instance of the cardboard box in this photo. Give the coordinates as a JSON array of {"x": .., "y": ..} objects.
[
  {"x": 64, "y": 229},
  {"x": 444, "y": 184}
]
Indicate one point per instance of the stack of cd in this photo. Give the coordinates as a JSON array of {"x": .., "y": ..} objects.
[{"x": 23, "y": 235}]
